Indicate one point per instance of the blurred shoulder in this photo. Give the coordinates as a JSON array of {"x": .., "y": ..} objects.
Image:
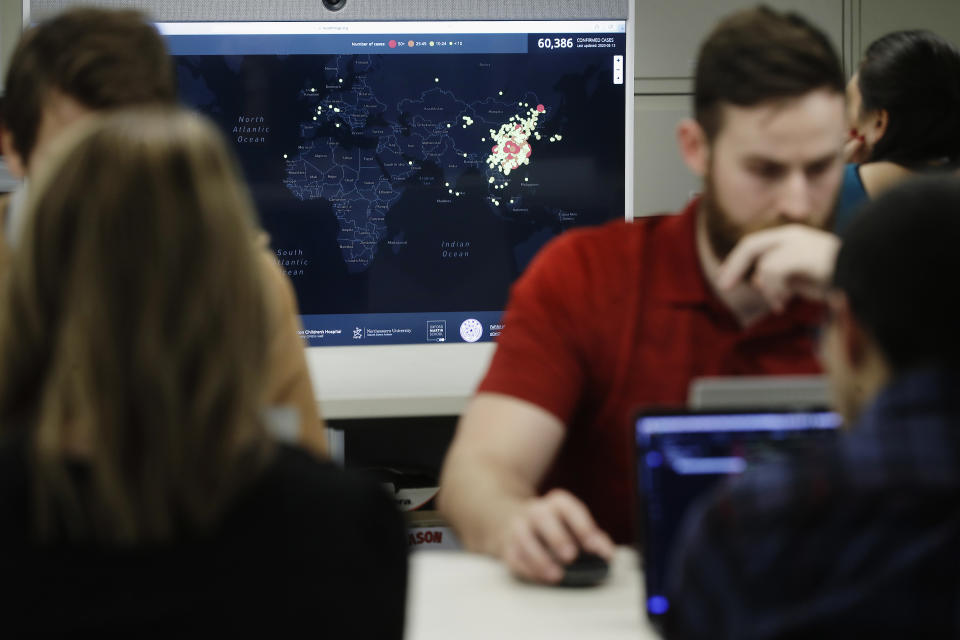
[
  {"x": 305, "y": 480},
  {"x": 601, "y": 250}
]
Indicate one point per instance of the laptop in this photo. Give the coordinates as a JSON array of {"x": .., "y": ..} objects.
[{"x": 683, "y": 454}]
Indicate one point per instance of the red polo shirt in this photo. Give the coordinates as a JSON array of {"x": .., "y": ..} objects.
[{"x": 611, "y": 319}]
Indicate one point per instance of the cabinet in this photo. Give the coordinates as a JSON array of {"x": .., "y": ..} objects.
[
  {"x": 668, "y": 32},
  {"x": 662, "y": 182},
  {"x": 874, "y": 18},
  {"x": 11, "y": 18}
]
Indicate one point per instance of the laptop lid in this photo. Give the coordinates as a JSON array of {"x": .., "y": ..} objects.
[
  {"x": 773, "y": 392},
  {"x": 683, "y": 454}
]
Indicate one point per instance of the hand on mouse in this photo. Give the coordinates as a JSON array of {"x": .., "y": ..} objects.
[{"x": 547, "y": 533}]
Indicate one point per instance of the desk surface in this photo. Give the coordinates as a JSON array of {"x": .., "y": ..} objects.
[{"x": 454, "y": 594}]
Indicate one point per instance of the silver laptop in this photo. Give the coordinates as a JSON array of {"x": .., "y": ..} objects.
[{"x": 758, "y": 392}]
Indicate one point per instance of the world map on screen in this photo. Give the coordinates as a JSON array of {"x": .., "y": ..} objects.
[{"x": 396, "y": 184}]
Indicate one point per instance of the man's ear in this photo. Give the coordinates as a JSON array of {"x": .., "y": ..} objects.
[
  {"x": 10, "y": 154},
  {"x": 694, "y": 148}
]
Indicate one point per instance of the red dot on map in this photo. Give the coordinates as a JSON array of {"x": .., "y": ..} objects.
[
  {"x": 541, "y": 108},
  {"x": 392, "y": 44},
  {"x": 529, "y": 152},
  {"x": 494, "y": 149},
  {"x": 511, "y": 147}
]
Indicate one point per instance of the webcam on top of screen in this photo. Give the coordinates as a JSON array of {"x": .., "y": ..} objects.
[{"x": 334, "y": 5}]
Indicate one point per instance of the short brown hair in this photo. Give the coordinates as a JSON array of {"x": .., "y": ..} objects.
[
  {"x": 101, "y": 58},
  {"x": 758, "y": 55}
]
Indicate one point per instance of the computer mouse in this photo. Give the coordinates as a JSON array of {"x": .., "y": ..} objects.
[{"x": 586, "y": 570}]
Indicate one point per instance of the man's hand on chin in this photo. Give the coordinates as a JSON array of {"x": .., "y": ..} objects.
[{"x": 783, "y": 262}]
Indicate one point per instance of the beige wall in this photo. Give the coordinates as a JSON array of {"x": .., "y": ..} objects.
[
  {"x": 10, "y": 21},
  {"x": 874, "y": 18}
]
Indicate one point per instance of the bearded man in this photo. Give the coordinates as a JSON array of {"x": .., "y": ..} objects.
[{"x": 611, "y": 319}]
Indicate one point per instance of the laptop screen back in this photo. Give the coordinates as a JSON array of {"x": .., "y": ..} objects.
[{"x": 682, "y": 456}]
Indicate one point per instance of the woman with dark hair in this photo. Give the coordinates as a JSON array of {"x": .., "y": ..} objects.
[
  {"x": 904, "y": 110},
  {"x": 140, "y": 489}
]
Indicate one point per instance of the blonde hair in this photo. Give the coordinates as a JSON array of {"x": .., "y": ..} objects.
[{"x": 135, "y": 313}]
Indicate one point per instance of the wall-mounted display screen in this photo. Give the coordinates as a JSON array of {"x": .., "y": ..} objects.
[{"x": 407, "y": 172}]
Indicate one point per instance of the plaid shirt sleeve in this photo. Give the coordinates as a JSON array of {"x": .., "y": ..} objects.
[
  {"x": 739, "y": 557},
  {"x": 858, "y": 539}
]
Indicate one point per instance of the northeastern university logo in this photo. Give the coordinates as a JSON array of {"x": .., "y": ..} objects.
[{"x": 471, "y": 330}]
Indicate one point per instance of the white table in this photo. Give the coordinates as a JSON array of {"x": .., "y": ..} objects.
[{"x": 453, "y": 594}]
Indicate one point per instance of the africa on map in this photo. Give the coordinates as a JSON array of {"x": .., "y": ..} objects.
[
  {"x": 363, "y": 184},
  {"x": 395, "y": 184}
]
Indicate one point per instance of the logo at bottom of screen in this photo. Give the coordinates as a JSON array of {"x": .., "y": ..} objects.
[
  {"x": 471, "y": 330},
  {"x": 436, "y": 331}
]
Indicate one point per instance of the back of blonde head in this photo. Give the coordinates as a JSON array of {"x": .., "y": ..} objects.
[{"x": 133, "y": 332}]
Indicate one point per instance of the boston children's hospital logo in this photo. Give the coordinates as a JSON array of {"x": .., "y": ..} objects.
[{"x": 471, "y": 330}]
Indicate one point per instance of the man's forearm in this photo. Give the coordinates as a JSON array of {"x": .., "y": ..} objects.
[
  {"x": 502, "y": 449},
  {"x": 479, "y": 500}
]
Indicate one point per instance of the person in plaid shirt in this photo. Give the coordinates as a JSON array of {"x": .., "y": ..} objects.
[{"x": 861, "y": 539}]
